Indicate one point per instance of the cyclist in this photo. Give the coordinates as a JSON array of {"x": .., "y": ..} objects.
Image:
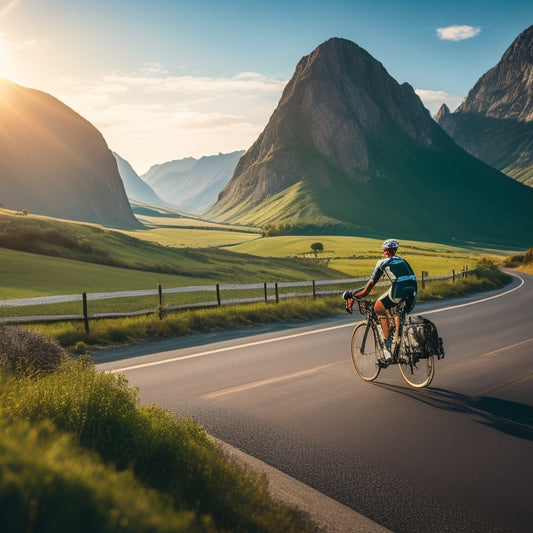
[{"x": 403, "y": 287}]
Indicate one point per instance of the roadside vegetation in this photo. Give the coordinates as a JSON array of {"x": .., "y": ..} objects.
[
  {"x": 130, "y": 330},
  {"x": 523, "y": 262},
  {"x": 79, "y": 453}
]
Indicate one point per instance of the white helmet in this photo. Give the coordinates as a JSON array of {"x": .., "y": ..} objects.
[{"x": 390, "y": 244}]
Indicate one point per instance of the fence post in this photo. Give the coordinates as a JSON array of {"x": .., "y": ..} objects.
[
  {"x": 218, "y": 295},
  {"x": 85, "y": 313},
  {"x": 453, "y": 275},
  {"x": 314, "y": 289},
  {"x": 277, "y": 293},
  {"x": 424, "y": 275},
  {"x": 160, "y": 306},
  {"x": 266, "y": 293}
]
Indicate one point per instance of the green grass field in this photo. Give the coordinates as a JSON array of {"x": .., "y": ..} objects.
[
  {"x": 357, "y": 256},
  {"x": 71, "y": 257}
]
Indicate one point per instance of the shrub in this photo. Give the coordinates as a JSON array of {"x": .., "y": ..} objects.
[
  {"x": 25, "y": 352},
  {"x": 50, "y": 484},
  {"x": 518, "y": 260},
  {"x": 176, "y": 458},
  {"x": 488, "y": 270}
]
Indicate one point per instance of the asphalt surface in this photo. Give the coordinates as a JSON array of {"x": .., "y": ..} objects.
[{"x": 455, "y": 457}]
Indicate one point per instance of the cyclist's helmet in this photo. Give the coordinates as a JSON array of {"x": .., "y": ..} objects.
[{"x": 390, "y": 244}]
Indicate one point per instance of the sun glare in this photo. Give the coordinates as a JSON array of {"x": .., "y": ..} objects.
[{"x": 5, "y": 59}]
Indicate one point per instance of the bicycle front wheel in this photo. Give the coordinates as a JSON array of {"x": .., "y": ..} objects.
[
  {"x": 365, "y": 351},
  {"x": 418, "y": 372}
]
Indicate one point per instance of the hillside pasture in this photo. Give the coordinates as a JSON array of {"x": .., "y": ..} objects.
[{"x": 357, "y": 256}]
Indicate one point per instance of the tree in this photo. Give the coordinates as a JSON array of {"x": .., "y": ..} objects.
[{"x": 317, "y": 247}]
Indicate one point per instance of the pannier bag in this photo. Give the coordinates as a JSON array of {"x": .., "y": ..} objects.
[{"x": 421, "y": 338}]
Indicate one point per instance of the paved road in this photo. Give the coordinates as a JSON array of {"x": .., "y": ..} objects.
[{"x": 456, "y": 457}]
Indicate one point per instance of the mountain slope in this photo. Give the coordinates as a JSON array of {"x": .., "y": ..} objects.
[
  {"x": 54, "y": 162},
  {"x": 136, "y": 188},
  {"x": 363, "y": 152},
  {"x": 192, "y": 184},
  {"x": 495, "y": 121}
]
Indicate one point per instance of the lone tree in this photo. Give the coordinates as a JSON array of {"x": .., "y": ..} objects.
[{"x": 317, "y": 247}]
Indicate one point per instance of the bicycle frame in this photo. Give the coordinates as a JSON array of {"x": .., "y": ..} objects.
[
  {"x": 366, "y": 308},
  {"x": 368, "y": 358}
]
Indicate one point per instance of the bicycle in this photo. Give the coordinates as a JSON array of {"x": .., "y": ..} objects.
[{"x": 367, "y": 348}]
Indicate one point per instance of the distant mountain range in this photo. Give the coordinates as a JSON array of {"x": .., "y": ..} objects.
[
  {"x": 136, "y": 188},
  {"x": 54, "y": 162},
  {"x": 348, "y": 147},
  {"x": 495, "y": 121},
  {"x": 190, "y": 184}
]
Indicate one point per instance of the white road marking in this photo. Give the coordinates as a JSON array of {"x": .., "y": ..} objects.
[
  {"x": 261, "y": 383},
  {"x": 228, "y": 348},
  {"x": 293, "y": 336},
  {"x": 478, "y": 301}
]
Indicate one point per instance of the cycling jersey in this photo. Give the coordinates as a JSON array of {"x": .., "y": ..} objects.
[{"x": 403, "y": 281}]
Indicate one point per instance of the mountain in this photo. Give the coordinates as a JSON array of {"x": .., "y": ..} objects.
[
  {"x": 136, "y": 188},
  {"x": 54, "y": 162},
  {"x": 192, "y": 184},
  {"x": 347, "y": 146},
  {"x": 495, "y": 121}
]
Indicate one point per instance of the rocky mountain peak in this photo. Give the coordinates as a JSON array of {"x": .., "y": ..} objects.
[
  {"x": 506, "y": 90},
  {"x": 443, "y": 111},
  {"x": 338, "y": 98},
  {"x": 351, "y": 148}
]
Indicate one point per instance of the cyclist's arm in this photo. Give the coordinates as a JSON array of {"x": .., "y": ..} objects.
[
  {"x": 366, "y": 290},
  {"x": 374, "y": 278}
]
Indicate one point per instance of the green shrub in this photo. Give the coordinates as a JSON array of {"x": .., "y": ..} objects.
[
  {"x": 50, "y": 484},
  {"x": 488, "y": 270},
  {"x": 175, "y": 458},
  {"x": 25, "y": 352}
]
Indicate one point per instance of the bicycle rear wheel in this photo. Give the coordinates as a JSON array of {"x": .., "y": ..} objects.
[
  {"x": 365, "y": 351},
  {"x": 418, "y": 372}
]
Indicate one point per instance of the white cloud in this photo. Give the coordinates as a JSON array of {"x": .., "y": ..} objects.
[
  {"x": 152, "y": 116},
  {"x": 432, "y": 100},
  {"x": 457, "y": 32}
]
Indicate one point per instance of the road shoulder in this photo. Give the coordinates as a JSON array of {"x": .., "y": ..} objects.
[{"x": 329, "y": 515}]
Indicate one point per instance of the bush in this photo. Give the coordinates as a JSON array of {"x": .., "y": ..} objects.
[
  {"x": 518, "y": 260},
  {"x": 28, "y": 353},
  {"x": 488, "y": 270},
  {"x": 50, "y": 484},
  {"x": 171, "y": 457}
]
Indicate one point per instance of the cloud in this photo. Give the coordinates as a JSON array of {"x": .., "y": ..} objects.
[
  {"x": 432, "y": 100},
  {"x": 151, "y": 116},
  {"x": 457, "y": 32}
]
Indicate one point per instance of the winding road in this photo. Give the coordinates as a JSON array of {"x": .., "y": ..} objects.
[{"x": 455, "y": 457}]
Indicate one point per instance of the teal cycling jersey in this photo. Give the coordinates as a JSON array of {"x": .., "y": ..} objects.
[{"x": 400, "y": 273}]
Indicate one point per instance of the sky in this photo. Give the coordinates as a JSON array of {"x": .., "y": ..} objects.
[{"x": 168, "y": 79}]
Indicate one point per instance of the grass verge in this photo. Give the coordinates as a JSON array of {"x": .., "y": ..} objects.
[{"x": 78, "y": 453}]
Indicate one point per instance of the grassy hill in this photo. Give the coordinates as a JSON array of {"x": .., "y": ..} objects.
[
  {"x": 356, "y": 256},
  {"x": 40, "y": 255}
]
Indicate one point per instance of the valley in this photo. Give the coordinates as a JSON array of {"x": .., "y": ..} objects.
[{"x": 207, "y": 253}]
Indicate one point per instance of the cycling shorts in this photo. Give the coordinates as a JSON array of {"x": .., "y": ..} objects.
[{"x": 391, "y": 299}]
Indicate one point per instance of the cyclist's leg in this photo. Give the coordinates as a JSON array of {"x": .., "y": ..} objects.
[{"x": 381, "y": 307}]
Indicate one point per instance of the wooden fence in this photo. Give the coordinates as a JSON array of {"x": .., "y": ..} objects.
[{"x": 217, "y": 295}]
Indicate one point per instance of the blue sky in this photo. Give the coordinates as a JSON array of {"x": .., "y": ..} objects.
[{"x": 167, "y": 79}]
